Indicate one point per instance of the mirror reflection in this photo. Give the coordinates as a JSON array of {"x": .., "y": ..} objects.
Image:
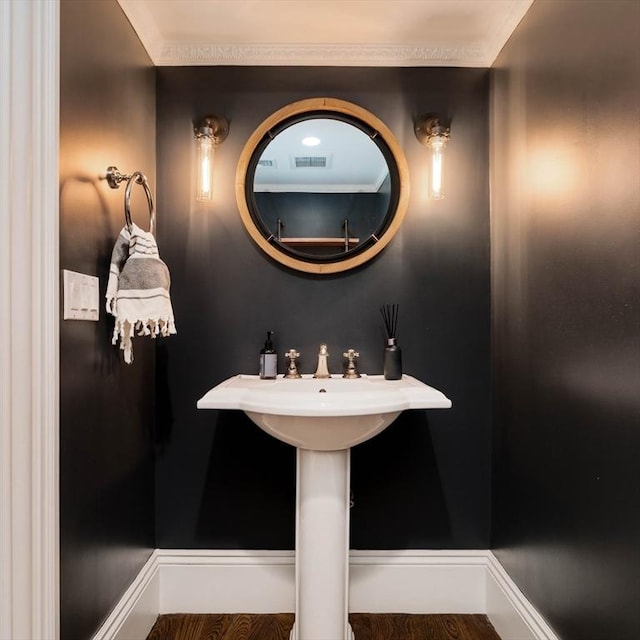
[{"x": 322, "y": 187}]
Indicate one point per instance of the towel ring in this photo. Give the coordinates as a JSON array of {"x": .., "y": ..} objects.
[{"x": 114, "y": 178}]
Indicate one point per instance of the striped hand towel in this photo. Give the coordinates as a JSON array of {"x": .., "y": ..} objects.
[{"x": 138, "y": 290}]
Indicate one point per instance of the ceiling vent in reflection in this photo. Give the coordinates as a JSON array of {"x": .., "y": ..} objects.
[
  {"x": 267, "y": 163},
  {"x": 311, "y": 162}
]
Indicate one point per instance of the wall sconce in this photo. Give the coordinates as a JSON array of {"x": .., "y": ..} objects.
[
  {"x": 209, "y": 133},
  {"x": 434, "y": 134}
]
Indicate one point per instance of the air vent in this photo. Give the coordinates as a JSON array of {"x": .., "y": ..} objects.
[
  {"x": 266, "y": 163},
  {"x": 315, "y": 162}
]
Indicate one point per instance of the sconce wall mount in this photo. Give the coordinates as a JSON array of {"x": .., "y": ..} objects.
[
  {"x": 216, "y": 128},
  {"x": 430, "y": 129}
]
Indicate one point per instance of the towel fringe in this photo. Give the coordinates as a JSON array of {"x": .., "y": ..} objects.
[
  {"x": 153, "y": 327},
  {"x": 126, "y": 329}
]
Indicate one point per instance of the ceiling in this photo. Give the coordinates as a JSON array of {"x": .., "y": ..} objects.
[
  {"x": 341, "y": 159},
  {"x": 443, "y": 33}
]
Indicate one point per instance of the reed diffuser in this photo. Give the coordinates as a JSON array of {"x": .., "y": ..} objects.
[{"x": 392, "y": 352}]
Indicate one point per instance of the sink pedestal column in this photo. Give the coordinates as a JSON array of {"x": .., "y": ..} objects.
[{"x": 322, "y": 546}]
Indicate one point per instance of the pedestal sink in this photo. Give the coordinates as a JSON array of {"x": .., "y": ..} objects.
[{"x": 323, "y": 419}]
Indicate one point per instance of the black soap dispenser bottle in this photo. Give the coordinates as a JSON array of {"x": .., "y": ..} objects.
[{"x": 268, "y": 359}]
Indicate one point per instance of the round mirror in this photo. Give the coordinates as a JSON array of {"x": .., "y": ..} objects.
[{"x": 322, "y": 185}]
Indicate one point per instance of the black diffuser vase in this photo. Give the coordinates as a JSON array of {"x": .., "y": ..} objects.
[
  {"x": 392, "y": 353},
  {"x": 392, "y": 360}
]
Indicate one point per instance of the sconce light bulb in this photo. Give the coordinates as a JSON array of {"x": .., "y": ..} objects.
[
  {"x": 437, "y": 168},
  {"x": 437, "y": 142},
  {"x": 210, "y": 132},
  {"x": 205, "y": 151}
]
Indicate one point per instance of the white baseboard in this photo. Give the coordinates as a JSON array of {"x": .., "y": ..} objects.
[
  {"x": 511, "y": 614},
  {"x": 137, "y": 610},
  {"x": 226, "y": 581},
  {"x": 416, "y": 581}
]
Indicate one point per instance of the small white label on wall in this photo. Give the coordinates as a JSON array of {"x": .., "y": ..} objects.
[{"x": 81, "y": 296}]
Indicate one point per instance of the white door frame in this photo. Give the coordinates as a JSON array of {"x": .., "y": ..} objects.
[{"x": 29, "y": 319}]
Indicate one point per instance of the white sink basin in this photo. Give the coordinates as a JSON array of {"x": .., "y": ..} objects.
[{"x": 323, "y": 414}]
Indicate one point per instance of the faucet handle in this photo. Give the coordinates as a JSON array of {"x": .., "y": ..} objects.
[
  {"x": 292, "y": 369},
  {"x": 351, "y": 372}
]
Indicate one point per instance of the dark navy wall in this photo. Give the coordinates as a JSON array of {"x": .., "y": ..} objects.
[
  {"x": 107, "y": 116},
  {"x": 566, "y": 260},
  {"x": 425, "y": 482}
]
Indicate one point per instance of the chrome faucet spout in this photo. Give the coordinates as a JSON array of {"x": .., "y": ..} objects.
[{"x": 323, "y": 370}]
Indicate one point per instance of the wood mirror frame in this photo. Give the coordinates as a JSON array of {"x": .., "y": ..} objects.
[{"x": 394, "y": 217}]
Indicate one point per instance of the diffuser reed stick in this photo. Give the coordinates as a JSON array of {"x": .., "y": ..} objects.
[{"x": 390, "y": 316}]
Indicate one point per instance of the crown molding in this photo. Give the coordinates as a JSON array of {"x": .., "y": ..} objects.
[
  {"x": 201, "y": 54},
  {"x": 513, "y": 15},
  {"x": 144, "y": 24},
  {"x": 164, "y": 52}
]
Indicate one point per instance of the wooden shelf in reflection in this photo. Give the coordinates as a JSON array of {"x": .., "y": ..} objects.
[{"x": 315, "y": 242}]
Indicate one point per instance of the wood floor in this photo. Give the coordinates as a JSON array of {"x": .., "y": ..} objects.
[{"x": 366, "y": 626}]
